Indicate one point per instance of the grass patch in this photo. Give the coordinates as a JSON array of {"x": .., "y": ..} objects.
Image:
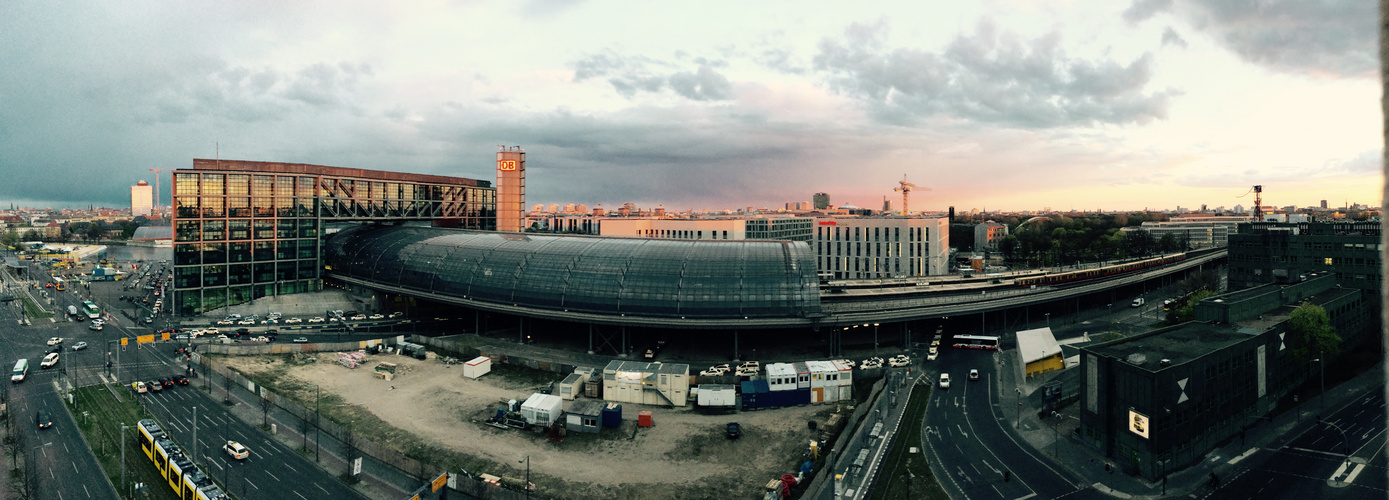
[
  {"x": 99, "y": 416},
  {"x": 906, "y": 475},
  {"x": 32, "y": 309}
]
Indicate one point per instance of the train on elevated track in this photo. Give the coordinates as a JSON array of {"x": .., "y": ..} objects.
[{"x": 978, "y": 282}]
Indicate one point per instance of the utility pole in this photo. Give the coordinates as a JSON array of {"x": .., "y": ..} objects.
[
  {"x": 195, "y": 433},
  {"x": 122, "y": 456}
]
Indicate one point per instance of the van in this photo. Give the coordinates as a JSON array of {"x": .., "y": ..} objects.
[
  {"x": 1138, "y": 302},
  {"x": 72, "y": 310},
  {"x": 21, "y": 368}
]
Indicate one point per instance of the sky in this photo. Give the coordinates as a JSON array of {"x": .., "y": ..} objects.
[{"x": 991, "y": 104}]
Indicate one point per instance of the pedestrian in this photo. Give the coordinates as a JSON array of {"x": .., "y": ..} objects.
[{"x": 392, "y": 388}]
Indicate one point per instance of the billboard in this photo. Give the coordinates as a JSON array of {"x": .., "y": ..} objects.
[{"x": 1139, "y": 424}]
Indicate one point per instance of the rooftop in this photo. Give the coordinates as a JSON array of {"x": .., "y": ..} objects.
[
  {"x": 304, "y": 168},
  {"x": 1180, "y": 345}
]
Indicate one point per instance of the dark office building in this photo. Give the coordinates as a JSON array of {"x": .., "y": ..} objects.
[
  {"x": 245, "y": 230},
  {"x": 821, "y": 201},
  {"x": 1282, "y": 252},
  {"x": 1158, "y": 402}
]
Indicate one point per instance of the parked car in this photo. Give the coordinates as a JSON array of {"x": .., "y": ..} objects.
[
  {"x": 899, "y": 360},
  {"x": 246, "y": 322},
  {"x": 292, "y": 321},
  {"x": 301, "y": 340},
  {"x": 358, "y": 317},
  {"x": 733, "y": 430},
  {"x": 316, "y": 319},
  {"x": 226, "y": 322},
  {"x": 395, "y": 315},
  {"x": 377, "y": 316},
  {"x": 236, "y": 451}
]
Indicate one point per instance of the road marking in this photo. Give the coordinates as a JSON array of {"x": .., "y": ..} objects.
[
  {"x": 1319, "y": 452},
  {"x": 1030, "y": 495},
  {"x": 253, "y": 485},
  {"x": 89, "y": 493},
  {"x": 300, "y": 496},
  {"x": 962, "y": 431},
  {"x": 1351, "y": 478},
  {"x": 271, "y": 475},
  {"x": 325, "y": 490},
  {"x": 1243, "y": 456}
]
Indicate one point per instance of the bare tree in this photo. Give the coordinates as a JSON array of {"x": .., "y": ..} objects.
[{"x": 265, "y": 404}]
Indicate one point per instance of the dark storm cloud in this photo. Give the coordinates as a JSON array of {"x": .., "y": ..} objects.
[
  {"x": 990, "y": 77},
  {"x": 630, "y": 75},
  {"x": 1141, "y": 10},
  {"x": 1316, "y": 37},
  {"x": 1170, "y": 37}
]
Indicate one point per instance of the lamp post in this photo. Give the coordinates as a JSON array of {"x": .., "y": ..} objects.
[
  {"x": 527, "y": 487},
  {"x": 1057, "y": 436},
  {"x": 1321, "y": 367},
  {"x": 1048, "y": 315},
  {"x": 875, "y": 339}
]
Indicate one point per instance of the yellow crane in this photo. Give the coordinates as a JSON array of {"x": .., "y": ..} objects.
[{"x": 906, "y": 189}]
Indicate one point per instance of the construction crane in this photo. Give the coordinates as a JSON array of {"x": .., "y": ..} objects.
[
  {"x": 1258, "y": 191},
  {"x": 157, "y": 171},
  {"x": 906, "y": 189}
]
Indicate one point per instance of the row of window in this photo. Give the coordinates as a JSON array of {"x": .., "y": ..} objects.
[
  {"x": 192, "y": 183},
  {"x": 244, "y": 251},
  {"x": 190, "y": 277},
  {"x": 259, "y": 229},
  {"x": 878, "y": 233}
]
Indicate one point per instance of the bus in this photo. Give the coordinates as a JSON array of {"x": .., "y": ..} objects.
[
  {"x": 59, "y": 282},
  {"x": 976, "y": 342},
  {"x": 93, "y": 311}
]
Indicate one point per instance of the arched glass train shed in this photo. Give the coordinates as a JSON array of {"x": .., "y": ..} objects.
[{"x": 666, "y": 282}]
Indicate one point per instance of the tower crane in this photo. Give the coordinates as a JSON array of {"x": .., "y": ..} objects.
[
  {"x": 906, "y": 189},
  {"x": 159, "y": 213}
]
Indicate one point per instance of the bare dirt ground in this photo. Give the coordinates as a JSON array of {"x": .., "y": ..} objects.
[{"x": 685, "y": 455}]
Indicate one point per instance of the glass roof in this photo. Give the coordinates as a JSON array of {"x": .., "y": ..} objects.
[{"x": 607, "y": 275}]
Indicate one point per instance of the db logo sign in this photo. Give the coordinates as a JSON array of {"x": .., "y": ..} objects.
[{"x": 506, "y": 165}]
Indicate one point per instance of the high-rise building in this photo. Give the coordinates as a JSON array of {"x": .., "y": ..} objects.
[
  {"x": 141, "y": 199},
  {"x": 881, "y": 247},
  {"x": 822, "y": 201},
  {"x": 511, "y": 188},
  {"x": 1323, "y": 204},
  {"x": 244, "y": 230}
]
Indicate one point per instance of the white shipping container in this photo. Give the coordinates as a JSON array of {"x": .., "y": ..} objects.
[
  {"x": 542, "y": 409},
  {"x": 716, "y": 395},
  {"x": 478, "y": 367}
]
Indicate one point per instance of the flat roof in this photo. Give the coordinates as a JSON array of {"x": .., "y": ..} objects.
[
  {"x": 268, "y": 167},
  {"x": 1184, "y": 344}
]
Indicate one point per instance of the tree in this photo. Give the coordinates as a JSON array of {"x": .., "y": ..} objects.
[
  {"x": 1009, "y": 247},
  {"x": 11, "y": 238},
  {"x": 1186, "y": 311},
  {"x": 1311, "y": 328},
  {"x": 128, "y": 230},
  {"x": 1167, "y": 243},
  {"x": 95, "y": 230}
]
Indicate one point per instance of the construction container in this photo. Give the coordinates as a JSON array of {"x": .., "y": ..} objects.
[
  {"x": 593, "y": 388},
  {"x": 542, "y": 409},
  {"x": 644, "y": 419},
  {"x": 717, "y": 396},
  {"x": 583, "y": 416},
  {"x": 478, "y": 367},
  {"x": 781, "y": 377},
  {"x": 612, "y": 415},
  {"x": 571, "y": 386}
]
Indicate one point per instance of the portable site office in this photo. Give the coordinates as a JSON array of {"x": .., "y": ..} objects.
[{"x": 647, "y": 383}]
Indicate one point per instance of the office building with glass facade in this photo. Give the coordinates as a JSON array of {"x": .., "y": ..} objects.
[{"x": 245, "y": 230}]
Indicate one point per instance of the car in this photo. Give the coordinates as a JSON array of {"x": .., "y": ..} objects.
[
  {"x": 49, "y": 361},
  {"x": 270, "y": 321},
  {"x": 316, "y": 319},
  {"x": 221, "y": 337},
  {"x": 243, "y": 331},
  {"x": 211, "y": 331},
  {"x": 932, "y": 355},
  {"x": 182, "y": 336},
  {"x": 358, "y": 317},
  {"x": 48, "y": 285},
  {"x": 899, "y": 360},
  {"x": 935, "y": 341},
  {"x": 180, "y": 380},
  {"x": 155, "y": 386},
  {"x": 733, "y": 430},
  {"x": 292, "y": 321},
  {"x": 99, "y": 321},
  {"x": 226, "y": 322},
  {"x": 377, "y": 316},
  {"x": 712, "y": 373},
  {"x": 945, "y": 381},
  {"x": 55, "y": 341},
  {"x": 166, "y": 382},
  {"x": 236, "y": 451},
  {"x": 274, "y": 315},
  {"x": 246, "y": 322},
  {"x": 850, "y": 363},
  {"x": 301, "y": 340},
  {"x": 43, "y": 420},
  {"x": 139, "y": 387},
  {"x": 79, "y": 346},
  {"x": 149, "y": 319},
  {"x": 395, "y": 315},
  {"x": 973, "y": 374}
]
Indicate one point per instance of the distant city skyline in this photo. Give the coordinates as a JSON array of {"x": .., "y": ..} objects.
[{"x": 995, "y": 104}]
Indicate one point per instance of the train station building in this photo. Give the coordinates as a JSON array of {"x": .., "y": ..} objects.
[
  {"x": 1158, "y": 402},
  {"x": 247, "y": 229}
]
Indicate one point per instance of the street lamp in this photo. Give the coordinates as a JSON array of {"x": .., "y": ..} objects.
[
  {"x": 527, "y": 487},
  {"x": 875, "y": 339},
  {"x": 1057, "y": 436},
  {"x": 1321, "y": 398},
  {"x": 1048, "y": 315}
]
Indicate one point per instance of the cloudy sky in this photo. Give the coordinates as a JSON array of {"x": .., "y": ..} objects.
[{"x": 998, "y": 104}]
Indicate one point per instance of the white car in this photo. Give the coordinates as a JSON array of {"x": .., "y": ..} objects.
[
  {"x": 712, "y": 373},
  {"x": 358, "y": 317},
  {"x": 49, "y": 361},
  {"x": 377, "y": 316},
  {"x": 316, "y": 319},
  {"x": 236, "y": 451},
  {"x": 395, "y": 315},
  {"x": 55, "y": 341},
  {"x": 246, "y": 322},
  {"x": 945, "y": 381},
  {"x": 973, "y": 374},
  {"x": 226, "y": 322},
  {"x": 210, "y": 331},
  {"x": 899, "y": 360},
  {"x": 932, "y": 355},
  {"x": 292, "y": 321}
]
